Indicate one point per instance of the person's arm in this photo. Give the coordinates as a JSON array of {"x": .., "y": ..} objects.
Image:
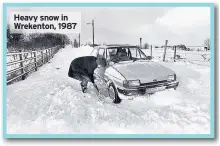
[{"x": 91, "y": 77}]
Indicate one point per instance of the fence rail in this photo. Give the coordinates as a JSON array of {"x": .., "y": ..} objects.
[{"x": 20, "y": 64}]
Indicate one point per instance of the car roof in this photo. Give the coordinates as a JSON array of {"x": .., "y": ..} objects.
[{"x": 117, "y": 46}]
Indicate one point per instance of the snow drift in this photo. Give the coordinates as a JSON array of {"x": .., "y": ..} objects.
[{"x": 48, "y": 101}]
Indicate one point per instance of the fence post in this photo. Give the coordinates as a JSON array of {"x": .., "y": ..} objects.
[
  {"x": 51, "y": 52},
  {"x": 46, "y": 55},
  {"x": 42, "y": 56},
  {"x": 151, "y": 51},
  {"x": 165, "y": 49},
  {"x": 21, "y": 64},
  {"x": 174, "y": 54},
  {"x": 35, "y": 60}
]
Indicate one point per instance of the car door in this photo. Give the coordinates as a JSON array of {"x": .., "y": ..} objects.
[
  {"x": 99, "y": 73},
  {"x": 99, "y": 52},
  {"x": 110, "y": 53}
]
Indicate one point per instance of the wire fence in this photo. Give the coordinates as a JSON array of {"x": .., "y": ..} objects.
[{"x": 200, "y": 57}]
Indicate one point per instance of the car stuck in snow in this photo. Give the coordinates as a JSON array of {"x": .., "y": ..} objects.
[{"x": 130, "y": 72}]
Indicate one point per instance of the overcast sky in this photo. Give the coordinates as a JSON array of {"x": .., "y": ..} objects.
[{"x": 190, "y": 26}]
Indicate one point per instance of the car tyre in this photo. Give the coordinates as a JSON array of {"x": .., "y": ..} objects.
[{"x": 112, "y": 90}]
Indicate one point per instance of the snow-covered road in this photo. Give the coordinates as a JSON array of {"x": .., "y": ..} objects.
[{"x": 48, "y": 101}]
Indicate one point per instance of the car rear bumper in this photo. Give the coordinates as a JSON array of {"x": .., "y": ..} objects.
[{"x": 148, "y": 88}]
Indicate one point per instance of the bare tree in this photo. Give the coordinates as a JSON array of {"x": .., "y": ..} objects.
[
  {"x": 207, "y": 44},
  {"x": 146, "y": 46},
  {"x": 75, "y": 43}
]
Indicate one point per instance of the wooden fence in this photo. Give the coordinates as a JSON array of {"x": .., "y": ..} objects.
[{"x": 20, "y": 64}]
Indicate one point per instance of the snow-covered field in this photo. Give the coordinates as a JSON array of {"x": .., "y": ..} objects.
[
  {"x": 48, "y": 101},
  {"x": 193, "y": 56}
]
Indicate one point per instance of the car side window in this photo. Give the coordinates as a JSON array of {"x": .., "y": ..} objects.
[
  {"x": 111, "y": 53},
  {"x": 94, "y": 52},
  {"x": 135, "y": 53},
  {"x": 101, "y": 53},
  {"x": 143, "y": 56}
]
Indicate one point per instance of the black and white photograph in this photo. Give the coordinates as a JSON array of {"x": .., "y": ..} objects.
[{"x": 108, "y": 70}]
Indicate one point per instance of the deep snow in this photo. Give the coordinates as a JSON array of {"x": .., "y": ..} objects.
[{"x": 48, "y": 101}]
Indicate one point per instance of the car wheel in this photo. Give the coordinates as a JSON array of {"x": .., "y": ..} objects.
[{"x": 113, "y": 94}]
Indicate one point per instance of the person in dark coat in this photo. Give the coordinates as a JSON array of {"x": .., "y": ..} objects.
[{"x": 82, "y": 68}]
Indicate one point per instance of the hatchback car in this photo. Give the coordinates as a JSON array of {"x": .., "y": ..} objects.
[{"x": 130, "y": 72}]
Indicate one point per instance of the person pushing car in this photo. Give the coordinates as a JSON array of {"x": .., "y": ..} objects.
[{"x": 82, "y": 68}]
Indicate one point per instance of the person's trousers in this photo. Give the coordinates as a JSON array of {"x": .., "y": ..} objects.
[{"x": 85, "y": 81}]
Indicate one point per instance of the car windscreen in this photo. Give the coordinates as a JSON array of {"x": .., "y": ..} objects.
[{"x": 118, "y": 54}]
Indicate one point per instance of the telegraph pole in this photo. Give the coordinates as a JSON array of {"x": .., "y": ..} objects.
[
  {"x": 93, "y": 32},
  {"x": 79, "y": 40},
  {"x": 141, "y": 43}
]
